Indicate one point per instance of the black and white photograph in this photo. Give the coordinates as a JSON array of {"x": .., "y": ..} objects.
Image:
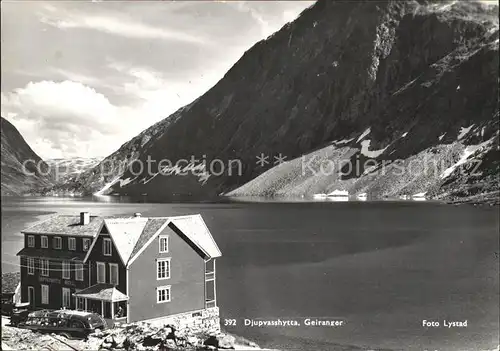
[{"x": 271, "y": 175}]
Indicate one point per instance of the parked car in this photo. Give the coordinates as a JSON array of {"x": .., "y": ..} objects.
[
  {"x": 68, "y": 323},
  {"x": 19, "y": 313},
  {"x": 7, "y": 307}
]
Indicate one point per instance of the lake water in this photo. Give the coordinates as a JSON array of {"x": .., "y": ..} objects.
[{"x": 382, "y": 267}]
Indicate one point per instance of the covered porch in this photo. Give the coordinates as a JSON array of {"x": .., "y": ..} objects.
[{"x": 106, "y": 300}]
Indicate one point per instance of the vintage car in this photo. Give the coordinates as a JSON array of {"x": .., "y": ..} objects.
[
  {"x": 7, "y": 307},
  {"x": 68, "y": 323},
  {"x": 19, "y": 313}
]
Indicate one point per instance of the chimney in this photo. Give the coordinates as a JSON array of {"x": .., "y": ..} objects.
[
  {"x": 84, "y": 218},
  {"x": 137, "y": 214}
]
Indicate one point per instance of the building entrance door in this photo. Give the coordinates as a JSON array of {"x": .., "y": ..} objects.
[{"x": 31, "y": 296}]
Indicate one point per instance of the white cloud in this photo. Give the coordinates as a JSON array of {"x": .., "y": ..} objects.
[
  {"x": 266, "y": 27},
  {"x": 68, "y": 118},
  {"x": 291, "y": 14},
  {"x": 62, "y": 98},
  {"x": 161, "y": 97},
  {"x": 61, "y": 119},
  {"x": 121, "y": 26},
  {"x": 86, "y": 92},
  {"x": 76, "y": 77}
]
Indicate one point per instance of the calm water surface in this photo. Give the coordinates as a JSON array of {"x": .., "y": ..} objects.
[{"x": 381, "y": 266}]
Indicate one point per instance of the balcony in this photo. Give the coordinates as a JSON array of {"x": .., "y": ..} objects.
[
  {"x": 210, "y": 293},
  {"x": 209, "y": 276}
]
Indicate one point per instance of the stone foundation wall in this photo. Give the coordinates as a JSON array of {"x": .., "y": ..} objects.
[{"x": 205, "y": 321}]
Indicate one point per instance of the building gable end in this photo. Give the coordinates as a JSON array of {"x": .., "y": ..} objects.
[
  {"x": 132, "y": 259},
  {"x": 192, "y": 244},
  {"x": 179, "y": 232},
  {"x": 102, "y": 230}
]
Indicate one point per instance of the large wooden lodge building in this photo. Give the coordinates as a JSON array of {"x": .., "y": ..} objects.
[{"x": 126, "y": 269}]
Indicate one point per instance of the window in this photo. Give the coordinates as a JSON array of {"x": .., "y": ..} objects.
[
  {"x": 31, "y": 241},
  {"x": 44, "y": 268},
  {"x": 163, "y": 268},
  {"x": 86, "y": 244},
  {"x": 163, "y": 244},
  {"x": 45, "y": 242},
  {"x": 66, "y": 295},
  {"x": 45, "y": 294},
  {"x": 31, "y": 265},
  {"x": 66, "y": 274},
  {"x": 79, "y": 271},
  {"x": 57, "y": 242},
  {"x": 80, "y": 303},
  {"x": 77, "y": 324},
  {"x": 163, "y": 294},
  {"x": 106, "y": 247},
  {"x": 101, "y": 272},
  {"x": 72, "y": 244},
  {"x": 113, "y": 273}
]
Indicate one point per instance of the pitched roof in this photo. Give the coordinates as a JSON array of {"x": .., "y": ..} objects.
[
  {"x": 52, "y": 254},
  {"x": 131, "y": 235},
  {"x": 151, "y": 228},
  {"x": 106, "y": 292},
  {"x": 66, "y": 225},
  {"x": 125, "y": 232},
  {"x": 195, "y": 229},
  {"x": 10, "y": 281}
]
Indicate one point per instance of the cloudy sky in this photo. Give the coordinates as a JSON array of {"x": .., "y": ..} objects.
[{"x": 82, "y": 78}]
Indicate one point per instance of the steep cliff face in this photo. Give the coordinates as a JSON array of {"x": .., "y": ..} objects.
[
  {"x": 372, "y": 84},
  {"x": 22, "y": 168}
]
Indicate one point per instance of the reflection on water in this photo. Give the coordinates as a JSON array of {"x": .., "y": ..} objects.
[
  {"x": 338, "y": 198},
  {"x": 383, "y": 266}
]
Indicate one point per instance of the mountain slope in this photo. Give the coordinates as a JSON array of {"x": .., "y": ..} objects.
[
  {"x": 108, "y": 170},
  {"x": 397, "y": 83},
  {"x": 16, "y": 179},
  {"x": 67, "y": 170},
  {"x": 444, "y": 127}
]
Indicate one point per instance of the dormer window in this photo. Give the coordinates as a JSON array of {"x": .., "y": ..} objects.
[
  {"x": 106, "y": 247},
  {"x": 72, "y": 244},
  {"x": 31, "y": 241},
  {"x": 57, "y": 242},
  {"x": 163, "y": 244}
]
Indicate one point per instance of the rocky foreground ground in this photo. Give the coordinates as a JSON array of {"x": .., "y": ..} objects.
[{"x": 140, "y": 336}]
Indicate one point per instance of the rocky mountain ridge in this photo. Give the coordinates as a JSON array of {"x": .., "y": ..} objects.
[
  {"x": 426, "y": 71},
  {"x": 376, "y": 86},
  {"x": 22, "y": 169}
]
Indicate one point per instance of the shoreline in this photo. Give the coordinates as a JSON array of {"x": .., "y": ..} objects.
[
  {"x": 476, "y": 200},
  {"x": 116, "y": 337}
]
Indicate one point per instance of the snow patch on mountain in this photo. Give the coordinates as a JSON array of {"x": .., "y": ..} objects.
[
  {"x": 343, "y": 141},
  {"x": 199, "y": 170},
  {"x": 365, "y": 133},
  {"x": 469, "y": 150},
  {"x": 365, "y": 145},
  {"x": 122, "y": 182},
  {"x": 464, "y": 131}
]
